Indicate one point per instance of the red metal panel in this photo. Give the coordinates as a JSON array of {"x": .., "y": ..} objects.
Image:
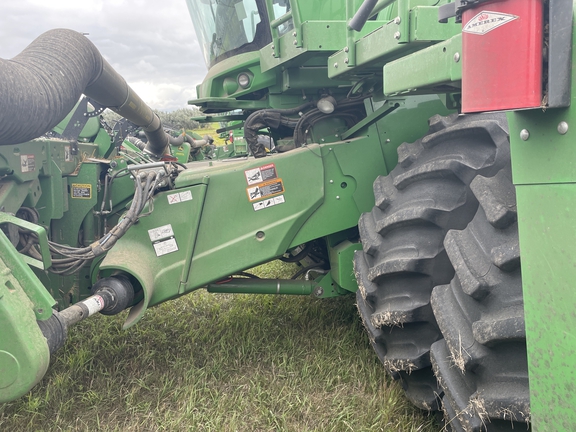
[{"x": 502, "y": 55}]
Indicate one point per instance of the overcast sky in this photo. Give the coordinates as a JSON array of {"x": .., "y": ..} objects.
[{"x": 152, "y": 44}]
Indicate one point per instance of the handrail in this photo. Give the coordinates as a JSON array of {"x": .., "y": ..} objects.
[
  {"x": 293, "y": 15},
  {"x": 278, "y": 22},
  {"x": 362, "y": 15},
  {"x": 382, "y": 4},
  {"x": 366, "y": 10}
]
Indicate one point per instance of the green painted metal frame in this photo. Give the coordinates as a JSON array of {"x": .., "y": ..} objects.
[
  {"x": 262, "y": 286},
  {"x": 434, "y": 69},
  {"x": 545, "y": 177},
  {"x": 24, "y": 355},
  {"x": 46, "y": 261},
  {"x": 544, "y": 172},
  {"x": 381, "y": 112},
  {"x": 318, "y": 181},
  {"x": 413, "y": 29}
]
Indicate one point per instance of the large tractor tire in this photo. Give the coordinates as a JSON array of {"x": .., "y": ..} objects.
[
  {"x": 481, "y": 363},
  {"x": 403, "y": 256}
]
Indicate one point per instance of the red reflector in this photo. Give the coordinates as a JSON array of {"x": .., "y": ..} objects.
[
  {"x": 502, "y": 56},
  {"x": 168, "y": 158}
]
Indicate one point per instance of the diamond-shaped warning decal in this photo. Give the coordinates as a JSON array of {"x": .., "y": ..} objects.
[{"x": 487, "y": 21}]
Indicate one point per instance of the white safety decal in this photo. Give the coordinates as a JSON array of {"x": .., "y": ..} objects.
[
  {"x": 28, "y": 163},
  {"x": 94, "y": 304},
  {"x": 268, "y": 203},
  {"x": 160, "y": 233},
  {"x": 487, "y": 21},
  {"x": 165, "y": 247},
  {"x": 261, "y": 174},
  {"x": 179, "y": 197}
]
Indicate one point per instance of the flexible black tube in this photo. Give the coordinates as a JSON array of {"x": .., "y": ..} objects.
[
  {"x": 176, "y": 140},
  {"x": 41, "y": 85},
  {"x": 137, "y": 142},
  {"x": 272, "y": 118},
  {"x": 194, "y": 143}
]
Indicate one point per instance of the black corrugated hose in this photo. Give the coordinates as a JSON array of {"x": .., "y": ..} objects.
[{"x": 41, "y": 85}]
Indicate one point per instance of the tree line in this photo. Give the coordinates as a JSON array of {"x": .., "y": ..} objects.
[{"x": 176, "y": 120}]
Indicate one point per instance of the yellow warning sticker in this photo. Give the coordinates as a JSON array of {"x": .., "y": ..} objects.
[
  {"x": 81, "y": 190},
  {"x": 265, "y": 190}
]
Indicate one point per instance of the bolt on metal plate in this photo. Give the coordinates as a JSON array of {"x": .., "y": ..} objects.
[{"x": 562, "y": 128}]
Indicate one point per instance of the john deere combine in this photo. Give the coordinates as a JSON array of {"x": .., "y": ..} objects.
[{"x": 423, "y": 160}]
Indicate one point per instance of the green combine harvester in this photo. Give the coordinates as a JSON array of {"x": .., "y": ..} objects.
[{"x": 423, "y": 162}]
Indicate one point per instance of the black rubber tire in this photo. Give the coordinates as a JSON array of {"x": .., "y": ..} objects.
[
  {"x": 403, "y": 256},
  {"x": 481, "y": 363}
]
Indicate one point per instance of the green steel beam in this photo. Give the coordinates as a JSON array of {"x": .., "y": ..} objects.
[
  {"x": 413, "y": 30},
  {"x": 543, "y": 168},
  {"x": 46, "y": 261},
  {"x": 434, "y": 69},
  {"x": 381, "y": 112},
  {"x": 403, "y": 34},
  {"x": 231, "y": 127},
  {"x": 262, "y": 286},
  {"x": 219, "y": 118},
  {"x": 320, "y": 39},
  {"x": 350, "y": 42},
  {"x": 24, "y": 355},
  {"x": 41, "y": 300},
  {"x": 341, "y": 264},
  {"x": 222, "y": 104},
  {"x": 547, "y": 239},
  {"x": 326, "y": 287},
  {"x": 543, "y": 157}
]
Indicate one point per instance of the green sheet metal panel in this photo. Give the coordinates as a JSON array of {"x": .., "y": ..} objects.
[
  {"x": 434, "y": 66},
  {"x": 386, "y": 43},
  {"x": 24, "y": 355},
  {"x": 544, "y": 172},
  {"x": 213, "y": 85},
  {"x": 545, "y": 156},
  {"x": 547, "y": 242}
]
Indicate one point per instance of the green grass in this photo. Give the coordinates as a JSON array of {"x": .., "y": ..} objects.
[
  {"x": 209, "y": 362},
  {"x": 210, "y": 129}
]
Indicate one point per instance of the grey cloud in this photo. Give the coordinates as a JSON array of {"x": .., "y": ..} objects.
[{"x": 147, "y": 42}]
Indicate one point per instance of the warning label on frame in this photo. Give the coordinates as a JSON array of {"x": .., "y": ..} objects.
[
  {"x": 160, "y": 233},
  {"x": 265, "y": 190},
  {"x": 165, "y": 247},
  {"x": 179, "y": 197},
  {"x": 270, "y": 202},
  {"x": 81, "y": 191},
  {"x": 261, "y": 174},
  {"x": 28, "y": 163}
]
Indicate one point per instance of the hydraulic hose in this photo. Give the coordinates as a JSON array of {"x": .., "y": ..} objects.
[
  {"x": 190, "y": 140},
  {"x": 272, "y": 118},
  {"x": 137, "y": 142},
  {"x": 41, "y": 85}
]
